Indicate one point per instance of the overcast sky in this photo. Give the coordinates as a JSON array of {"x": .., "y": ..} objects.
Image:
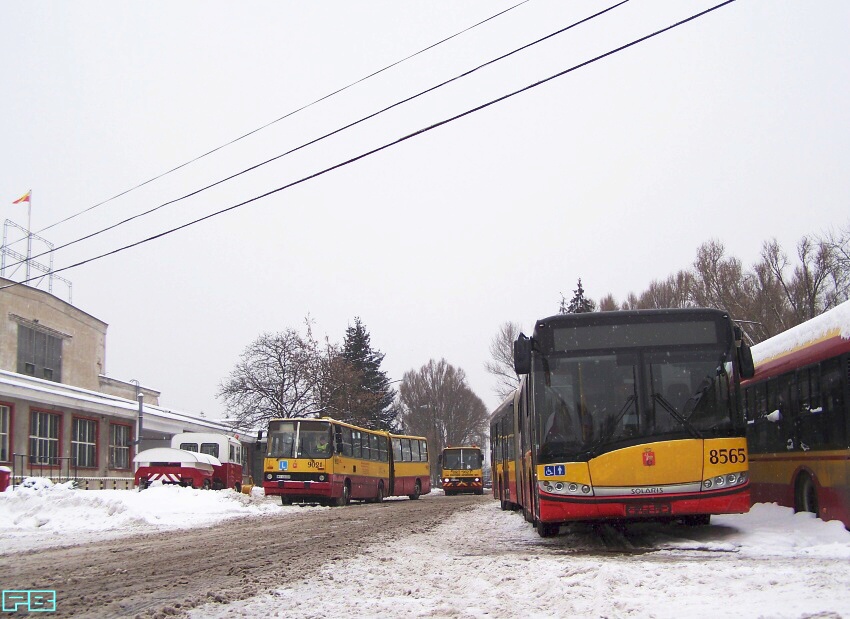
[{"x": 731, "y": 127}]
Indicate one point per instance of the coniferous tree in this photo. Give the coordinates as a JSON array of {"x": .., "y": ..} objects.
[
  {"x": 372, "y": 401},
  {"x": 578, "y": 304}
]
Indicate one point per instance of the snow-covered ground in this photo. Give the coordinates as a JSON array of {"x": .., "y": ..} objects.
[{"x": 487, "y": 563}]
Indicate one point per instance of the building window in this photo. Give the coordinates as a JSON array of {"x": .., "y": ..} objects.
[
  {"x": 119, "y": 446},
  {"x": 44, "y": 438},
  {"x": 84, "y": 443},
  {"x": 39, "y": 354},
  {"x": 5, "y": 414}
]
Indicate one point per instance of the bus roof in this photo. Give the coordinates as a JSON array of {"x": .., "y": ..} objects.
[{"x": 830, "y": 324}]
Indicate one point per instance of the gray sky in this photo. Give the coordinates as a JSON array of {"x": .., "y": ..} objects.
[{"x": 732, "y": 127}]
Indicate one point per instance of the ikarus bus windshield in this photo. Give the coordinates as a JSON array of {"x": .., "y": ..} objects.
[
  {"x": 462, "y": 459},
  {"x": 299, "y": 439}
]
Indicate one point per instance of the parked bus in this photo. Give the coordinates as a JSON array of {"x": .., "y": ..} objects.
[
  {"x": 195, "y": 459},
  {"x": 798, "y": 415},
  {"x": 410, "y": 470},
  {"x": 460, "y": 470},
  {"x": 625, "y": 415},
  {"x": 331, "y": 463}
]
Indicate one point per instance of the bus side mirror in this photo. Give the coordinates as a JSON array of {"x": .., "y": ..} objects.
[
  {"x": 522, "y": 355},
  {"x": 745, "y": 357},
  {"x": 440, "y": 460},
  {"x": 481, "y": 459}
]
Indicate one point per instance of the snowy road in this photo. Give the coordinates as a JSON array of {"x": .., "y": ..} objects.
[{"x": 438, "y": 557}]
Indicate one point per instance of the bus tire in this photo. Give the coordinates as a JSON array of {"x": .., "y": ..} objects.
[
  {"x": 346, "y": 495},
  {"x": 285, "y": 500},
  {"x": 238, "y": 487},
  {"x": 417, "y": 491},
  {"x": 205, "y": 485},
  {"x": 379, "y": 496},
  {"x": 805, "y": 495},
  {"x": 547, "y": 529}
]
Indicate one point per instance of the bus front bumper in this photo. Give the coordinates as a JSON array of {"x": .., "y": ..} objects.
[
  {"x": 299, "y": 489},
  {"x": 566, "y": 509}
]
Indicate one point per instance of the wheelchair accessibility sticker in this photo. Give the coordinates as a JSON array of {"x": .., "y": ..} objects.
[{"x": 554, "y": 470}]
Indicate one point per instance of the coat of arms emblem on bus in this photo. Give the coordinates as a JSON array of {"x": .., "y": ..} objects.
[{"x": 648, "y": 457}]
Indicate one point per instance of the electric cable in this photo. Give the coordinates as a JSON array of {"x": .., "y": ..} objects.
[
  {"x": 388, "y": 144},
  {"x": 327, "y": 135},
  {"x": 269, "y": 124}
]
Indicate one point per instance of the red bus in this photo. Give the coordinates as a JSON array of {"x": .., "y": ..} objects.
[
  {"x": 798, "y": 416},
  {"x": 626, "y": 415},
  {"x": 195, "y": 459}
]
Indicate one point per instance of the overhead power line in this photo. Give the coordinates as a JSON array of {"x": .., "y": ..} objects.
[
  {"x": 394, "y": 142},
  {"x": 334, "y": 132},
  {"x": 287, "y": 115}
]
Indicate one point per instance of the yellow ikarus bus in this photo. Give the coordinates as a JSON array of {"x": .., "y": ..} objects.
[
  {"x": 410, "y": 473},
  {"x": 330, "y": 462},
  {"x": 461, "y": 470}
]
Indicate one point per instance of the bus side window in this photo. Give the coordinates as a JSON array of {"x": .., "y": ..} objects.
[
  {"x": 364, "y": 446},
  {"x": 414, "y": 451},
  {"x": 397, "y": 449},
  {"x": 189, "y": 447},
  {"x": 232, "y": 454},
  {"x": 374, "y": 446},
  {"x": 405, "y": 450},
  {"x": 345, "y": 437},
  {"x": 423, "y": 451},
  {"x": 385, "y": 449},
  {"x": 356, "y": 451},
  {"x": 832, "y": 402}
]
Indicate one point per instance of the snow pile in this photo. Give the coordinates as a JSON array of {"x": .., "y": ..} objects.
[
  {"x": 38, "y": 513},
  {"x": 835, "y": 320}
]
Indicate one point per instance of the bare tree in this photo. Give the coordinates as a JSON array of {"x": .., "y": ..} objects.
[
  {"x": 275, "y": 377},
  {"x": 436, "y": 402},
  {"x": 501, "y": 364}
]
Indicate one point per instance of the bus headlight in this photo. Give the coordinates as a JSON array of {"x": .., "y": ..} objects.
[
  {"x": 321, "y": 478},
  {"x": 565, "y": 488},
  {"x": 269, "y": 476},
  {"x": 729, "y": 480}
]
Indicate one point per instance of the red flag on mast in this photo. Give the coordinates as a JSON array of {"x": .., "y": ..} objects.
[{"x": 24, "y": 198}]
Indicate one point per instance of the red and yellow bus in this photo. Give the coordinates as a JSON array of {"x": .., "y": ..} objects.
[
  {"x": 461, "y": 470},
  {"x": 410, "y": 471},
  {"x": 625, "y": 415},
  {"x": 798, "y": 415},
  {"x": 329, "y": 462}
]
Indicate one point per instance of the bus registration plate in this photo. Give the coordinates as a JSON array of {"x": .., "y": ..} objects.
[{"x": 649, "y": 509}]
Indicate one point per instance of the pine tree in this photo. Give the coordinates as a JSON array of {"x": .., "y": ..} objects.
[
  {"x": 578, "y": 304},
  {"x": 373, "y": 404}
]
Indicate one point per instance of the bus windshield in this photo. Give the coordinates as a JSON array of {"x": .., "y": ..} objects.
[
  {"x": 299, "y": 439},
  {"x": 466, "y": 459},
  {"x": 591, "y": 404}
]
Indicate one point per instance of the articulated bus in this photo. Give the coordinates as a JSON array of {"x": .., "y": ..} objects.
[
  {"x": 798, "y": 415},
  {"x": 329, "y": 462},
  {"x": 460, "y": 470},
  {"x": 625, "y": 415}
]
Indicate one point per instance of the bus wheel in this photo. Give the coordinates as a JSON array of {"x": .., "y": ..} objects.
[
  {"x": 238, "y": 487},
  {"x": 806, "y": 495},
  {"x": 547, "y": 529},
  {"x": 379, "y": 497},
  {"x": 346, "y": 495},
  {"x": 205, "y": 485},
  {"x": 285, "y": 500},
  {"x": 417, "y": 491}
]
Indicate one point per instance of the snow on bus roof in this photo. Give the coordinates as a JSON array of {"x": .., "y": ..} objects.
[
  {"x": 169, "y": 454},
  {"x": 829, "y": 324}
]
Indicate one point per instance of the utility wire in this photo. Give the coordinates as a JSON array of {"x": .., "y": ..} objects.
[
  {"x": 389, "y": 144},
  {"x": 327, "y": 135},
  {"x": 269, "y": 124}
]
